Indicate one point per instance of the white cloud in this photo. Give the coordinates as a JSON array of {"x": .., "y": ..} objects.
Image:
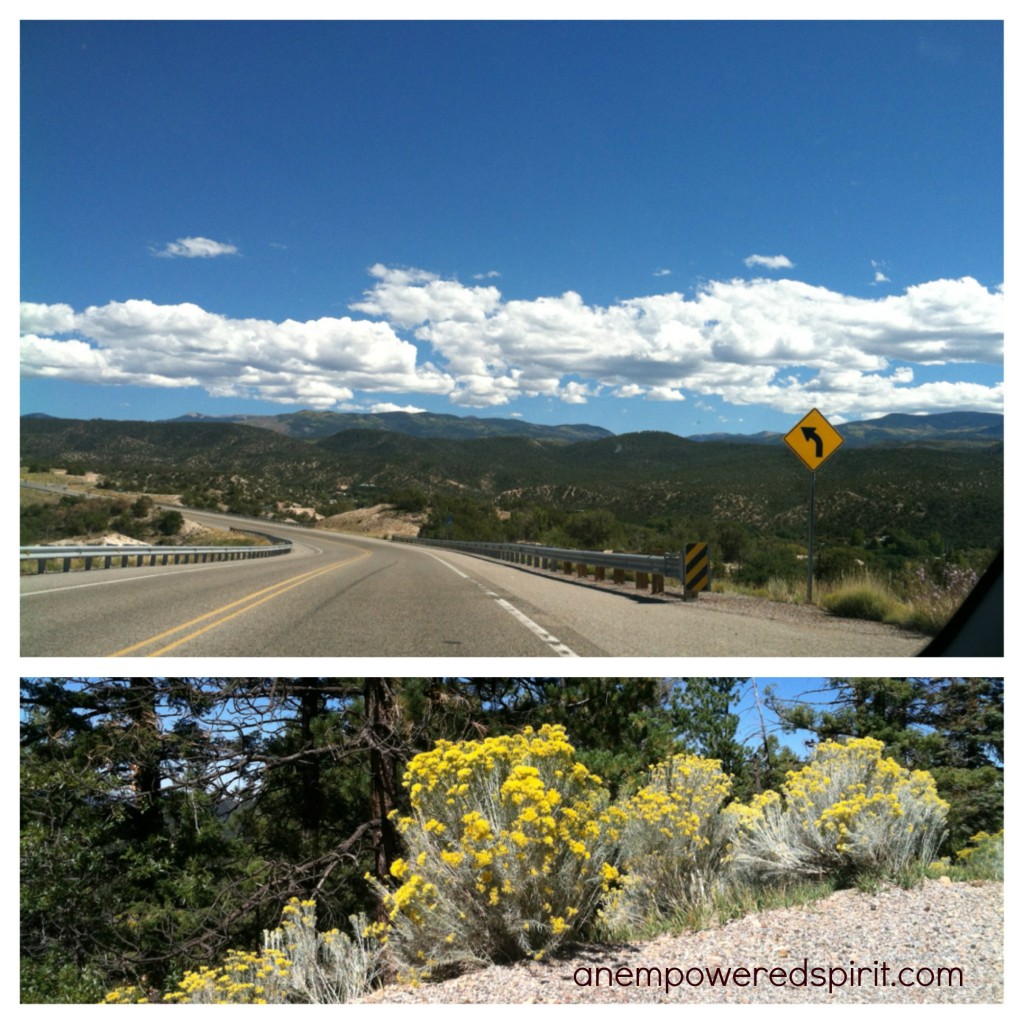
[
  {"x": 409, "y": 297},
  {"x": 391, "y": 407},
  {"x": 771, "y": 262},
  {"x": 197, "y": 247},
  {"x": 38, "y": 318},
  {"x": 576, "y": 393},
  {"x": 731, "y": 339},
  {"x": 660, "y": 394},
  {"x": 662, "y": 272},
  {"x": 319, "y": 363},
  {"x": 879, "y": 277},
  {"x": 780, "y": 343}
]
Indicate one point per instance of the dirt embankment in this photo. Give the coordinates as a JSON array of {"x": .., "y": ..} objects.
[{"x": 375, "y": 521}]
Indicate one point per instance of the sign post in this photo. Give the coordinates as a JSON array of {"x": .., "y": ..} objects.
[{"x": 812, "y": 440}]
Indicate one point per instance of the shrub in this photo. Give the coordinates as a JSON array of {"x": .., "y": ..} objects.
[
  {"x": 169, "y": 522},
  {"x": 849, "y": 812},
  {"x": 767, "y": 562},
  {"x": 507, "y": 852},
  {"x": 53, "y": 978},
  {"x": 984, "y": 857},
  {"x": 298, "y": 964},
  {"x": 674, "y": 840},
  {"x": 142, "y": 506},
  {"x": 833, "y": 564},
  {"x": 936, "y": 592},
  {"x": 862, "y": 599}
]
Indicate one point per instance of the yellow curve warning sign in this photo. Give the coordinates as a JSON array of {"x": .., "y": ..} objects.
[{"x": 813, "y": 440}]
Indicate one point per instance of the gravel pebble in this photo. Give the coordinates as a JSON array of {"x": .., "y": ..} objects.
[{"x": 936, "y": 925}]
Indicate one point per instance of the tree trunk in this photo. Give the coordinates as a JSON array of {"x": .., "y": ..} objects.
[
  {"x": 145, "y": 771},
  {"x": 311, "y": 797},
  {"x": 382, "y": 718}
]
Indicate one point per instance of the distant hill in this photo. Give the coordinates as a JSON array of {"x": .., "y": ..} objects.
[
  {"x": 963, "y": 428},
  {"x": 309, "y": 425},
  {"x": 951, "y": 487}
]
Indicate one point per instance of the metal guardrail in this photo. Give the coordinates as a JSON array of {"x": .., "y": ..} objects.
[
  {"x": 149, "y": 554},
  {"x": 649, "y": 569}
]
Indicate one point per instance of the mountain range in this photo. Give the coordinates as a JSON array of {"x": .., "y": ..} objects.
[
  {"x": 897, "y": 428},
  {"x": 310, "y": 424},
  {"x": 941, "y": 474}
]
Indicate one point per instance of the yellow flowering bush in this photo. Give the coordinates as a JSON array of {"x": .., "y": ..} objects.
[
  {"x": 125, "y": 994},
  {"x": 297, "y": 964},
  {"x": 984, "y": 855},
  {"x": 849, "y": 811},
  {"x": 674, "y": 839},
  {"x": 243, "y": 977},
  {"x": 507, "y": 851}
]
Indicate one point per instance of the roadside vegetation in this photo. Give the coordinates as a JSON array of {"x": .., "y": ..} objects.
[
  {"x": 290, "y": 840},
  {"x": 899, "y": 578},
  {"x": 48, "y": 518},
  {"x": 922, "y": 596},
  {"x": 43, "y": 522}
]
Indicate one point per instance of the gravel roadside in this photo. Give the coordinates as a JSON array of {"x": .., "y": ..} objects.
[{"x": 912, "y": 932}]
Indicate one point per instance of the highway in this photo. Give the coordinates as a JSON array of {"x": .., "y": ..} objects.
[{"x": 338, "y": 595}]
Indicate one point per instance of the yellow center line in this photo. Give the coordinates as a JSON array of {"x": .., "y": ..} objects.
[{"x": 250, "y": 601}]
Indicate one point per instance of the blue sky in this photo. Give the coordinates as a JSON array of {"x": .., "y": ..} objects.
[
  {"x": 686, "y": 226},
  {"x": 798, "y": 689}
]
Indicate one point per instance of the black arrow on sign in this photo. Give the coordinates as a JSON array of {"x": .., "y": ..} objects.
[{"x": 811, "y": 434}]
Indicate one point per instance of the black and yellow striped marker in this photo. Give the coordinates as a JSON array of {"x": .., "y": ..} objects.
[{"x": 696, "y": 570}]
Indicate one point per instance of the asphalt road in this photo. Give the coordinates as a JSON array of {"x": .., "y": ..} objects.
[{"x": 345, "y": 596}]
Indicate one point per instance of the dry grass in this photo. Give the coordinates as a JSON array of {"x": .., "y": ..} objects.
[{"x": 925, "y": 610}]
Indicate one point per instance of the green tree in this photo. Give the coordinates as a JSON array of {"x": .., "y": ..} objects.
[
  {"x": 619, "y": 727},
  {"x": 460, "y": 517},
  {"x": 142, "y": 506},
  {"x": 593, "y": 529},
  {"x": 169, "y": 522},
  {"x": 768, "y": 561},
  {"x": 705, "y": 722},
  {"x": 732, "y": 540},
  {"x": 120, "y": 865}
]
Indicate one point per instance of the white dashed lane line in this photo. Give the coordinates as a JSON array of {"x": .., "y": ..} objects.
[{"x": 539, "y": 631}]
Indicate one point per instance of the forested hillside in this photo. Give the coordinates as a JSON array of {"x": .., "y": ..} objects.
[
  {"x": 653, "y": 487},
  {"x": 310, "y": 424}
]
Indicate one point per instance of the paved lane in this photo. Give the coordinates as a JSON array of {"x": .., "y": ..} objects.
[
  {"x": 332, "y": 596},
  {"x": 346, "y": 596}
]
